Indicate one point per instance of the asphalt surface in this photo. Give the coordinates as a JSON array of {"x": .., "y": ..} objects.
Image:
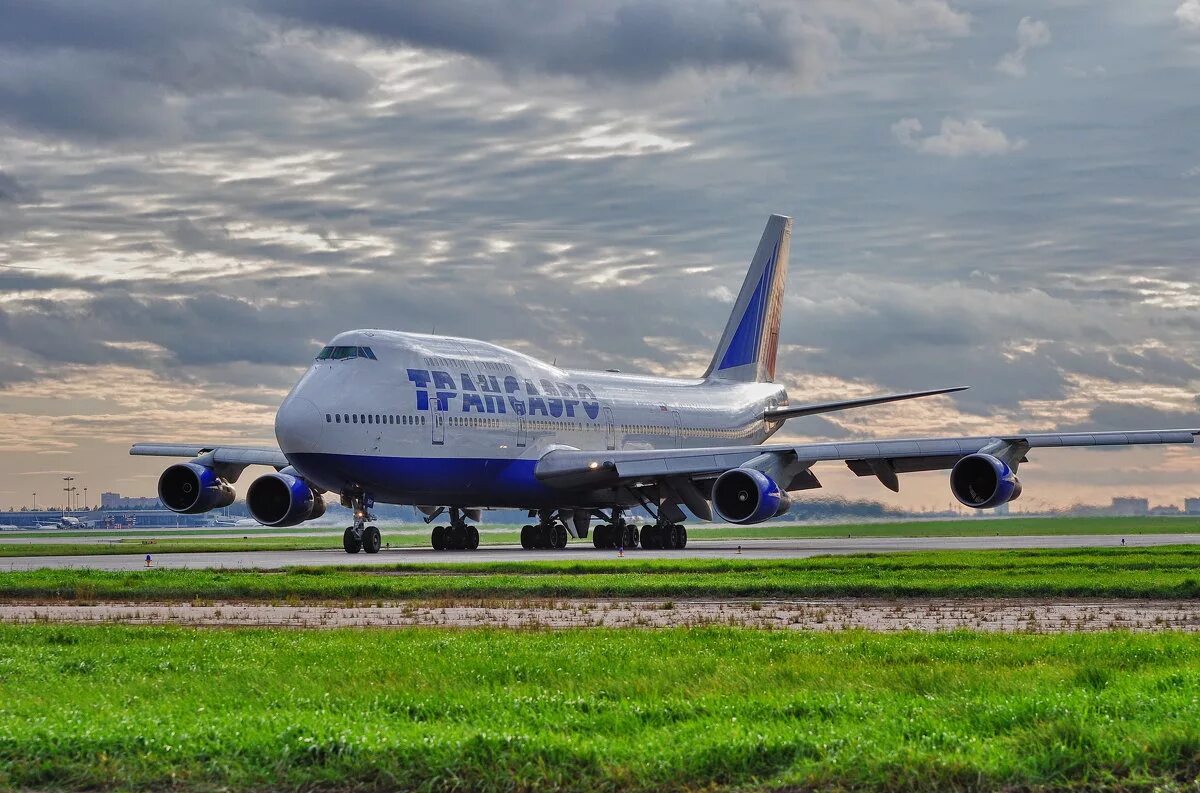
[{"x": 579, "y": 550}]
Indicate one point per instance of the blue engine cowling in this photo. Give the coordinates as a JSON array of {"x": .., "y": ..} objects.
[
  {"x": 982, "y": 481},
  {"x": 746, "y": 495},
  {"x": 283, "y": 500},
  {"x": 191, "y": 488}
]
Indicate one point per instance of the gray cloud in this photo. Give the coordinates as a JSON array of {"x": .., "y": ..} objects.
[{"x": 205, "y": 222}]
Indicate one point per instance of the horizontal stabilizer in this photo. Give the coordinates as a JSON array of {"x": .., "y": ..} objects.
[{"x": 778, "y": 414}]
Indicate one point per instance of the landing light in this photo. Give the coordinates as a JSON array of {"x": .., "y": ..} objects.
[{"x": 593, "y": 465}]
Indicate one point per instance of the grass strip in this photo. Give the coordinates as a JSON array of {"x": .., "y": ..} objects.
[
  {"x": 1171, "y": 572},
  {"x": 107, "y": 708}
]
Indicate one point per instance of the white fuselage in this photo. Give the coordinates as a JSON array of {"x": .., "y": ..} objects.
[{"x": 422, "y": 419}]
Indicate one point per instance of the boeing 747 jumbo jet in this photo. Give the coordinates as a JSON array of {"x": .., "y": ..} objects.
[{"x": 455, "y": 426}]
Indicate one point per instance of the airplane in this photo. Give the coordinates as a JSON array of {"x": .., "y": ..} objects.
[
  {"x": 66, "y": 522},
  {"x": 455, "y": 425}
]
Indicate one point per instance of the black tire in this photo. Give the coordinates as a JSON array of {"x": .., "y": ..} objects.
[
  {"x": 438, "y": 538},
  {"x": 631, "y": 537},
  {"x": 560, "y": 537},
  {"x": 527, "y": 537},
  {"x": 682, "y": 537},
  {"x": 649, "y": 537},
  {"x": 456, "y": 538},
  {"x": 598, "y": 535},
  {"x": 676, "y": 541},
  {"x": 472, "y": 538},
  {"x": 545, "y": 536},
  {"x": 351, "y": 543},
  {"x": 371, "y": 541}
]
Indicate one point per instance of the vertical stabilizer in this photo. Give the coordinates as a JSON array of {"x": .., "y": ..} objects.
[{"x": 748, "y": 345}]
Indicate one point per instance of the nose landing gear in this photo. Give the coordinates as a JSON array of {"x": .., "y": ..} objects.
[{"x": 360, "y": 536}]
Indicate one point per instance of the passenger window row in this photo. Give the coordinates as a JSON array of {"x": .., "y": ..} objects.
[{"x": 374, "y": 418}]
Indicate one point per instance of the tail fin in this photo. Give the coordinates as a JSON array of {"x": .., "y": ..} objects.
[{"x": 748, "y": 345}]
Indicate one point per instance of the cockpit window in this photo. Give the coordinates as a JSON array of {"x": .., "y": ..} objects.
[{"x": 345, "y": 353}]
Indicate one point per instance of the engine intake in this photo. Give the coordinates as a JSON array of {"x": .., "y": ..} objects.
[
  {"x": 982, "y": 481},
  {"x": 746, "y": 495},
  {"x": 190, "y": 488},
  {"x": 283, "y": 500}
]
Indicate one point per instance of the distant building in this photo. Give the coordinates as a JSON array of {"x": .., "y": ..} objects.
[
  {"x": 1191, "y": 506},
  {"x": 1130, "y": 507},
  {"x": 1165, "y": 510},
  {"x": 117, "y": 501}
]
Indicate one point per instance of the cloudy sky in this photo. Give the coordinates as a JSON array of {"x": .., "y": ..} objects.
[{"x": 194, "y": 196}]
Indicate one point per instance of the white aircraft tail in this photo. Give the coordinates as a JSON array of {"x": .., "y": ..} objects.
[{"x": 751, "y": 338}]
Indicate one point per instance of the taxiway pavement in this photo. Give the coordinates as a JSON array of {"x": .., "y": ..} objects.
[{"x": 581, "y": 550}]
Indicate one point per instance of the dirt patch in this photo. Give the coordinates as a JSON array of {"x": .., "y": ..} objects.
[{"x": 1004, "y": 615}]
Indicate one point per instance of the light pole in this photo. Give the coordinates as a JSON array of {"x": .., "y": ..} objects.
[
  {"x": 85, "y": 501},
  {"x": 68, "y": 490},
  {"x": 35, "y": 502}
]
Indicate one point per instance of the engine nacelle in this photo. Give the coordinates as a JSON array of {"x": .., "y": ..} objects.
[
  {"x": 746, "y": 495},
  {"x": 283, "y": 500},
  {"x": 191, "y": 488},
  {"x": 982, "y": 481}
]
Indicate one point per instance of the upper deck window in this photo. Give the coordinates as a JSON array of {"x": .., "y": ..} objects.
[{"x": 345, "y": 353}]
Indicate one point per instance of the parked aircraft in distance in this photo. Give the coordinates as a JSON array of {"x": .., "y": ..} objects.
[
  {"x": 66, "y": 522},
  {"x": 456, "y": 425}
]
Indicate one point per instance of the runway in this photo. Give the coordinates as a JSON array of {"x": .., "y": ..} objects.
[{"x": 583, "y": 550}]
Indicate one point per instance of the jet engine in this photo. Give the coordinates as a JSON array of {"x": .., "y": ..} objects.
[
  {"x": 747, "y": 495},
  {"x": 191, "y": 488},
  {"x": 283, "y": 500},
  {"x": 982, "y": 481}
]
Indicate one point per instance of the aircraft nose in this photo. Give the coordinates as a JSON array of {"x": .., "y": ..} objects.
[{"x": 299, "y": 426}]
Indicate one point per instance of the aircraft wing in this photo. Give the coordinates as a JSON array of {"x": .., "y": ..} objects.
[
  {"x": 883, "y": 459},
  {"x": 222, "y": 455}
]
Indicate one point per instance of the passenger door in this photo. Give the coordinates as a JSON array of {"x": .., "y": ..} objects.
[
  {"x": 522, "y": 432},
  {"x": 438, "y": 419},
  {"x": 610, "y": 430}
]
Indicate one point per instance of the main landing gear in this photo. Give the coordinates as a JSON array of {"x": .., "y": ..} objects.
[
  {"x": 665, "y": 536},
  {"x": 361, "y": 537},
  {"x": 458, "y": 536},
  {"x": 549, "y": 533},
  {"x": 660, "y": 536}
]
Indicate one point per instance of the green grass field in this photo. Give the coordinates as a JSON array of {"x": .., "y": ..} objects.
[
  {"x": 1160, "y": 572},
  {"x": 408, "y": 536},
  {"x": 101, "y": 708}
]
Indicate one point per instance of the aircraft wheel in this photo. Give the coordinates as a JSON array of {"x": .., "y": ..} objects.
[
  {"x": 676, "y": 541},
  {"x": 649, "y": 538},
  {"x": 472, "y": 538},
  {"x": 630, "y": 540},
  {"x": 545, "y": 536},
  {"x": 439, "y": 538},
  {"x": 371, "y": 540},
  {"x": 682, "y": 536},
  {"x": 351, "y": 543},
  {"x": 560, "y": 538},
  {"x": 456, "y": 538},
  {"x": 527, "y": 537},
  {"x": 600, "y": 535}
]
